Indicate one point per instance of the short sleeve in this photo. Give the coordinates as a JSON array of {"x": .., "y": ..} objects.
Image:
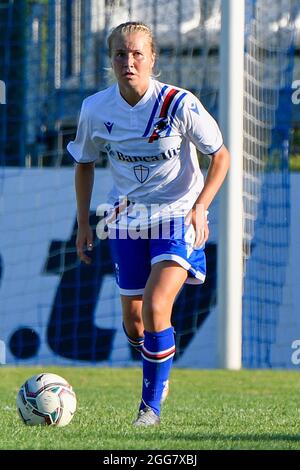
[
  {"x": 83, "y": 149},
  {"x": 200, "y": 126}
]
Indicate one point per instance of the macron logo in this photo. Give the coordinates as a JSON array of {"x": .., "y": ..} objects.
[
  {"x": 109, "y": 126},
  {"x": 194, "y": 108},
  {"x": 146, "y": 382}
]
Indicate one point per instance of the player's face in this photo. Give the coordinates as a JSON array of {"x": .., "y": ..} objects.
[{"x": 132, "y": 60}]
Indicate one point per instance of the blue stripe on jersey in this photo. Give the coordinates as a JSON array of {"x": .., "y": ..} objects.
[
  {"x": 156, "y": 104},
  {"x": 175, "y": 107}
]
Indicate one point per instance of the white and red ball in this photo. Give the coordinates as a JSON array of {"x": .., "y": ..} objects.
[{"x": 46, "y": 399}]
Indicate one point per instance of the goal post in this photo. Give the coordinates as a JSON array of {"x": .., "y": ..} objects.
[
  {"x": 55, "y": 310},
  {"x": 230, "y": 246}
]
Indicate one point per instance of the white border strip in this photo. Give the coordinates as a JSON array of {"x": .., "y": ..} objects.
[
  {"x": 199, "y": 276},
  {"x": 164, "y": 359},
  {"x": 154, "y": 353},
  {"x": 131, "y": 291}
]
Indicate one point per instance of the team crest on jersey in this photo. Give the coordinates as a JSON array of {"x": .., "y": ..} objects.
[
  {"x": 141, "y": 173},
  {"x": 162, "y": 125}
]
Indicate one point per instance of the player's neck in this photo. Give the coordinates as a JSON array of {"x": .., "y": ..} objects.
[{"x": 133, "y": 94}]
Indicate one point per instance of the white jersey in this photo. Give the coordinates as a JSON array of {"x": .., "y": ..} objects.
[{"x": 150, "y": 146}]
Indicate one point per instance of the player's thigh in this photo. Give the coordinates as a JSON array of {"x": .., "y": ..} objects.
[
  {"x": 164, "y": 283},
  {"x": 132, "y": 262},
  {"x": 132, "y": 314}
]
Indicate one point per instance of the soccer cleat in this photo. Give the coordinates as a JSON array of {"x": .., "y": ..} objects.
[
  {"x": 146, "y": 417},
  {"x": 165, "y": 392}
]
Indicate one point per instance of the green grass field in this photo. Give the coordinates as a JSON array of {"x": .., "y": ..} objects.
[{"x": 205, "y": 410}]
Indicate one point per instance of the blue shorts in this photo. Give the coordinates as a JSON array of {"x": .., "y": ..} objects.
[{"x": 133, "y": 258}]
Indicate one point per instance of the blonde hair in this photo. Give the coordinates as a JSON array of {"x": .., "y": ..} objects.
[{"x": 131, "y": 27}]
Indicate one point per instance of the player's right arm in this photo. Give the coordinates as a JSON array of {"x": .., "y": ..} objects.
[
  {"x": 84, "y": 151},
  {"x": 84, "y": 180}
]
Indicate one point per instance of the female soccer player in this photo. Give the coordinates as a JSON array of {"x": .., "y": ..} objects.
[{"x": 150, "y": 131}]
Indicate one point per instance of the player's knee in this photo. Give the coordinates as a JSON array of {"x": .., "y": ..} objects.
[
  {"x": 153, "y": 308},
  {"x": 132, "y": 318}
]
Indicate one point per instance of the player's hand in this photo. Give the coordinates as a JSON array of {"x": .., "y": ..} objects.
[
  {"x": 84, "y": 242},
  {"x": 198, "y": 218}
]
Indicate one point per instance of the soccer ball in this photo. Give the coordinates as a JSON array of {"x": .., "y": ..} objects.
[{"x": 46, "y": 399}]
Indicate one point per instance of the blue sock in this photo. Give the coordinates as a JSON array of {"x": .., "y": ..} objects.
[
  {"x": 157, "y": 352},
  {"x": 136, "y": 343}
]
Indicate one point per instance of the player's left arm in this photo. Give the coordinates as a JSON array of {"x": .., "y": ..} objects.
[{"x": 216, "y": 174}]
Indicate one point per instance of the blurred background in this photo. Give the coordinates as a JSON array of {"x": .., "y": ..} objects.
[{"x": 52, "y": 55}]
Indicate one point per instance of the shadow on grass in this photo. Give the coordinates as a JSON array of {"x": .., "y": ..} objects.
[{"x": 223, "y": 437}]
